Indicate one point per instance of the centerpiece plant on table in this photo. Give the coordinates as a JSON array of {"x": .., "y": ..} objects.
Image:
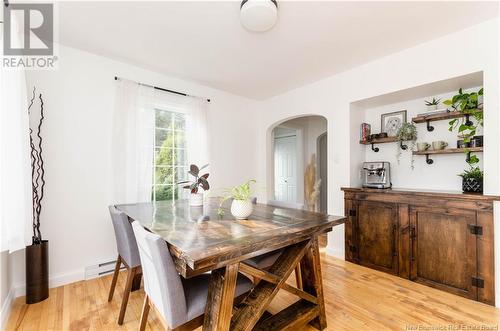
[
  {"x": 242, "y": 204},
  {"x": 196, "y": 198}
]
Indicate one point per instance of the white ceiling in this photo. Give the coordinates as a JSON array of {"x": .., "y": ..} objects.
[{"x": 204, "y": 41}]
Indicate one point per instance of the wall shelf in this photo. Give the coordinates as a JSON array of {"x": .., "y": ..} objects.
[
  {"x": 379, "y": 141},
  {"x": 439, "y": 117},
  {"x": 448, "y": 151},
  {"x": 382, "y": 141}
]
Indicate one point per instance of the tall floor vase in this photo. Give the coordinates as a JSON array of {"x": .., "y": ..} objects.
[{"x": 37, "y": 272}]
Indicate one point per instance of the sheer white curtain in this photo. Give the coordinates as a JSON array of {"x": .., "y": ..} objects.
[
  {"x": 133, "y": 136},
  {"x": 197, "y": 130},
  {"x": 196, "y": 111},
  {"x": 133, "y": 142},
  {"x": 15, "y": 165}
]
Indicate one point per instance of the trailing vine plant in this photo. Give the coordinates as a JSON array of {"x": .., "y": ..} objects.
[
  {"x": 470, "y": 106},
  {"x": 37, "y": 168},
  {"x": 406, "y": 133}
]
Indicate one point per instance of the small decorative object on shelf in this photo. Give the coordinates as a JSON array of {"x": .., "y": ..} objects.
[
  {"x": 242, "y": 204},
  {"x": 407, "y": 132},
  {"x": 196, "y": 198},
  {"x": 432, "y": 104},
  {"x": 392, "y": 122},
  {"x": 472, "y": 180},
  {"x": 365, "y": 131}
]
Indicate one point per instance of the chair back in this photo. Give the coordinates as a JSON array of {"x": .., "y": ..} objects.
[
  {"x": 162, "y": 283},
  {"x": 125, "y": 239}
]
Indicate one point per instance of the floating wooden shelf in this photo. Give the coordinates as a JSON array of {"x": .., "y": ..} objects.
[
  {"x": 438, "y": 117},
  {"x": 450, "y": 151},
  {"x": 379, "y": 141}
]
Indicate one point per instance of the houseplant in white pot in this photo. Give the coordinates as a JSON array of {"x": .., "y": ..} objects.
[
  {"x": 242, "y": 205},
  {"x": 432, "y": 104},
  {"x": 196, "y": 197}
]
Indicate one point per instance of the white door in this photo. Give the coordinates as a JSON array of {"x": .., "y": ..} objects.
[{"x": 285, "y": 168}]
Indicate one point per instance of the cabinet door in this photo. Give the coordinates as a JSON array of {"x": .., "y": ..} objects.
[
  {"x": 377, "y": 231},
  {"x": 443, "y": 249}
]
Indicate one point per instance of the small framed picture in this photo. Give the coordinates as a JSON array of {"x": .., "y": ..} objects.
[{"x": 391, "y": 122}]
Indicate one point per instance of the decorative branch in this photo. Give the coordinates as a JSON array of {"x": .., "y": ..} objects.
[{"x": 37, "y": 170}]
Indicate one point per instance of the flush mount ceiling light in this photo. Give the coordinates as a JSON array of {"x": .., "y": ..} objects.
[{"x": 258, "y": 15}]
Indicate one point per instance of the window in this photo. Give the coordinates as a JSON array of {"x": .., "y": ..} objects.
[{"x": 170, "y": 157}]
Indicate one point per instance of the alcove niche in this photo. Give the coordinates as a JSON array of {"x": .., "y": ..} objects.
[{"x": 441, "y": 173}]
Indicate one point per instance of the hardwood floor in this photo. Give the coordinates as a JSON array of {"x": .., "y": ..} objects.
[{"x": 356, "y": 298}]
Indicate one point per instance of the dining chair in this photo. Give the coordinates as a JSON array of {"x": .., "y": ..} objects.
[
  {"x": 180, "y": 302},
  {"x": 128, "y": 254}
]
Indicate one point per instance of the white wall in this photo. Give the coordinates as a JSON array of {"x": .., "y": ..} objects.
[
  {"x": 77, "y": 132},
  {"x": 433, "y": 61},
  {"x": 442, "y": 174}
]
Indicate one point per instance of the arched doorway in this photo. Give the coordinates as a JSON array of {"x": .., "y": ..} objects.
[{"x": 298, "y": 163}]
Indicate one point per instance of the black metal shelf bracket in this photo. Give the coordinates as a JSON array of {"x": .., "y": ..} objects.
[
  {"x": 375, "y": 149},
  {"x": 467, "y": 120},
  {"x": 467, "y": 158},
  {"x": 403, "y": 146},
  {"x": 428, "y": 160},
  {"x": 430, "y": 128}
]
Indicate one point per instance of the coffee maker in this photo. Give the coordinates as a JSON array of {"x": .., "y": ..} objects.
[{"x": 377, "y": 174}]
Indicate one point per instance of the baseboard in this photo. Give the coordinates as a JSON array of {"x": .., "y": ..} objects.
[
  {"x": 54, "y": 281},
  {"x": 335, "y": 252},
  {"x": 6, "y": 308}
]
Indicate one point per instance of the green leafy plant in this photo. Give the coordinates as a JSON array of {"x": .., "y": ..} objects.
[
  {"x": 468, "y": 104},
  {"x": 473, "y": 172},
  {"x": 433, "y": 102},
  {"x": 199, "y": 181},
  {"x": 406, "y": 133},
  {"x": 239, "y": 192}
]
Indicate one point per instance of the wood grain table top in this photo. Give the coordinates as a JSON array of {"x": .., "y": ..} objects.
[{"x": 199, "y": 244}]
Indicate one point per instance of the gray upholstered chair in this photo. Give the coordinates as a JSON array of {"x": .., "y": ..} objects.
[
  {"x": 181, "y": 302},
  {"x": 128, "y": 254}
]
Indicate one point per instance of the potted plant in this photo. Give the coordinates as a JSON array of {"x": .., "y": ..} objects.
[
  {"x": 196, "y": 198},
  {"x": 407, "y": 132},
  {"x": 432, "y": 104},
  {"x": 242, "y": 205},
  {"x": 37, "y": 254},
  {"x": 470, "y": 105},
  {"x": 472, "y": 180}
]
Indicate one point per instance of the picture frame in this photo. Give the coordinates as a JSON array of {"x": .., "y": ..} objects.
[{"x": 391, "y": 122}]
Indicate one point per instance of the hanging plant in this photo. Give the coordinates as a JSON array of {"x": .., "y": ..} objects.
[{"x": 406, "y": 133}]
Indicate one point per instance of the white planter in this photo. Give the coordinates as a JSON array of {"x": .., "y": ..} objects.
[
  {"x": 432, "y": 107},
  {"x": 241, "y": 209},
  {"x": 196, "y": 199}
]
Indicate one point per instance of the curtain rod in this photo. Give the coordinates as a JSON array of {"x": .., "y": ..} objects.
[{"x": 161, "y": 89}]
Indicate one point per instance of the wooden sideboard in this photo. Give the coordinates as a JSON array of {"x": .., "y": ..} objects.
[{"x": 440, "y": 239}]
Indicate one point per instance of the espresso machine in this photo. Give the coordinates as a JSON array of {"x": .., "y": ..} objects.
[{"x": 377, "y": 174}]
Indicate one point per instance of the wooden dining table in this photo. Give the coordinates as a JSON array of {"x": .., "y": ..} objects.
[{"x": 200, "y": 239}]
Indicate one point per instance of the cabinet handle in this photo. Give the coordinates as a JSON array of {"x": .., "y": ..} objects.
[
  {"x": 394, "y": 234},
  {"x": 413, "y": 235}
]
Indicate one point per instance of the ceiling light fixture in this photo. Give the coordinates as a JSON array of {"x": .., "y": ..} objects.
[{"x": 258, "y": 15}]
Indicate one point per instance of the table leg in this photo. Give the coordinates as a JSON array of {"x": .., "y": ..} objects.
[
  {"x": 220, "y": 298},
  {"x": 312, "y": 281}
]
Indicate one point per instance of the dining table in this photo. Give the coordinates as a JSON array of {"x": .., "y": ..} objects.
[{"x": 209, "y": 239}]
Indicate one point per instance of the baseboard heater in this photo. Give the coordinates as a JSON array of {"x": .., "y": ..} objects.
[{"x": 100, "y": 269}]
